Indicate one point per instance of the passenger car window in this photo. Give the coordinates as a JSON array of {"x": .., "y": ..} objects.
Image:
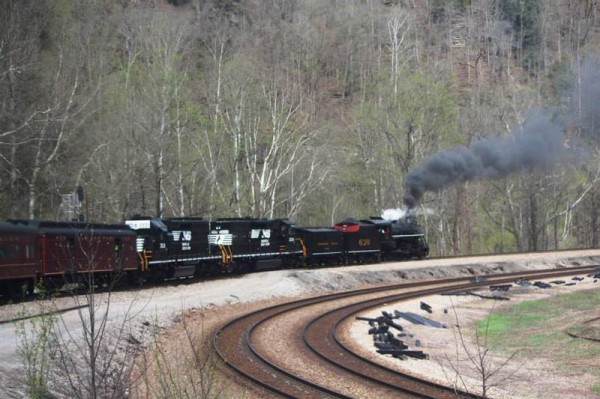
[
  {"x": 14, "y": 251},
  {"x": 29, "y": 251}
]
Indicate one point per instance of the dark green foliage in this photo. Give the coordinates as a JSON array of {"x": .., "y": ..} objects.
[
  {"x": 561, "y": 79},
  {"x": 438, "y": 9},
  {"x": 524, "y": 16}
]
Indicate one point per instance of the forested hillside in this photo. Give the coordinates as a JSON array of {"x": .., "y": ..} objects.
[{"x": 315, "y": 110}]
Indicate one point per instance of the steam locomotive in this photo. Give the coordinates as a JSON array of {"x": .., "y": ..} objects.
[{"x": 157, "y": 249}]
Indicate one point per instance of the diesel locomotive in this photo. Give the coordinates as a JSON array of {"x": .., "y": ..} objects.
[{"x": 157, "y": 249}]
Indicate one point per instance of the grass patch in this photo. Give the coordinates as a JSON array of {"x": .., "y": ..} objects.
[
  {"x": 538, "y": 328},
  {"x": 531, "y": 322}
]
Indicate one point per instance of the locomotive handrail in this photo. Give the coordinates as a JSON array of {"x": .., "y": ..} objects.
[
  {"x": 144, "y": 256},
  {"x": 304, "y": 250},
  {"x": 229, "y": 252},
  {"x": 226, "y": 253}
]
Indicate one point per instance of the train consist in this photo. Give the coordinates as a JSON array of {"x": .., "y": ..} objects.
[{"x": 156, "y": 249}]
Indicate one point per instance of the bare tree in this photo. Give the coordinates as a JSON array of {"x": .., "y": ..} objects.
[
  {"x": 271, "y": 139},
  {"x": 398, "y": 29},
  {"x": 156, "y": 45},
  {"x": 184, "y": 371},
  {"x": 87, "y": 352},
  {"x": 95, "y": 359},
  {"x": 21, "y": 24},
  {"x": 475, "y": 360},
  {"x": 35, "y": 347},
  {"x": 218, "y": 37}
]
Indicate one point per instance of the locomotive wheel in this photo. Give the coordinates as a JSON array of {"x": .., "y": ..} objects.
[
  {"x": 17, "y": 290},
  {"x": 28, "y": 288},
  {"x": 51, "y": 284},
  {"x": 135, "y": 278}
]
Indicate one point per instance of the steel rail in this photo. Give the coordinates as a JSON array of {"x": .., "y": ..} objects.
[
  {"x": 267, "y": 370},
  {"x": 334, "y": 351}
]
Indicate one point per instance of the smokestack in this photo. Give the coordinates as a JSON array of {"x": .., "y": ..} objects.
[{"x": 537, "y": 144}]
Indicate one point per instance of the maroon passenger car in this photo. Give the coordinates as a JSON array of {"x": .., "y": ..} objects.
[
  {"x": 19, "y": 260},
  {"x": 67, "y": 251}
]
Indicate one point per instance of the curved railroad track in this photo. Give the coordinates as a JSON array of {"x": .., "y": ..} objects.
[{"x": 322, "y": 365}]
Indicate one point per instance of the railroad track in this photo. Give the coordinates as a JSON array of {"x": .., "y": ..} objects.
[{"x": 243, "y": 346}]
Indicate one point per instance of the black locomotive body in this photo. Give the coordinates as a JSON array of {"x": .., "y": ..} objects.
[
  {"x": 183, "y": 247},
  {"x": 407, "y": 240},
  {"x": 250, "y": 244},
  {"x": 173, "y": 247},
  {"x": 400, "y": 239}
]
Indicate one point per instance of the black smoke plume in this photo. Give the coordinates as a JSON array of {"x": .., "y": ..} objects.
[{"x": 537, "y": 144}]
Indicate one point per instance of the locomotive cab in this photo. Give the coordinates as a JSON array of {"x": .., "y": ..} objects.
[
  {"x": 151, "y": 244},
  {"x": 152, "y": 234}
]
